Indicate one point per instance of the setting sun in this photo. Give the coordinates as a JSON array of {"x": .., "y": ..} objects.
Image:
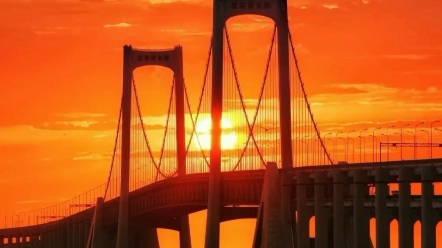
[{"x": 228, "y": 138}]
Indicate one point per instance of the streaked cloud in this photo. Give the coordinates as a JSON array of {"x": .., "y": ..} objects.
[
  {"x": 118, "y": 25},
  {"x": 330, "y": 6},
  {"x": 93, "y": 157},
  {"x": 79, "y": 115},
  {"x": 407, "y": 56},
  {"x": 250, "y": 27},
  {"x": 79, "y": 125}
]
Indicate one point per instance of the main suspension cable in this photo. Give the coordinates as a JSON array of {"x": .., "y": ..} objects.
[{"x": 115, "y": 149}]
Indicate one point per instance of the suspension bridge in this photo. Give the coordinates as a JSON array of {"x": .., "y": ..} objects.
[{"x": 238, "y": 156}]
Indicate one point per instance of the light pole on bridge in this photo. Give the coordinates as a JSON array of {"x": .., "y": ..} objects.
[
  {"x": 335, "y": 145},
  {"x": 345, "y": 152},
  {"x": 325, "y": 135},
  {"x": 353, "y": 149},
  {"x": 360, "y": 149},
  {"x": 438, "y": 129},
  {"x": 414, "y": 142},
  {"x": 415, "y": 133},
  {"x": 374, "y": 152},
  {"x": 346, "y": 145},
  {"x": 428, "y": 138},
  {"x": 388, "y": 146},
  {"x": 431, "y": 137},
  {"x": 380, "y": 148},
  {"x": 401, "y": 135},
  {"x": 306, "y": 143},
  {"x": 360, "y": 145}
]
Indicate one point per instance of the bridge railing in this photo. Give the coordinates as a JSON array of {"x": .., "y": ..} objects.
[{"x": 52, "y": 213}]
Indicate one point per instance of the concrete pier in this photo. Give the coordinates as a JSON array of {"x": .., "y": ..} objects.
[
  {"x": 302, "y": 225},
  {"x": 406, "y": 226},
  {"x": 338, "y": 210},
  {"x": 382, "y": 220}
]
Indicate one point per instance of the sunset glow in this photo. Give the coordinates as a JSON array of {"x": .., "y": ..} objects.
[{"x": 228, "y": 138}]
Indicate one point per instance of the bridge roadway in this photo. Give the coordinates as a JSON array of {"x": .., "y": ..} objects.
[{"x": 158, "y": 205}]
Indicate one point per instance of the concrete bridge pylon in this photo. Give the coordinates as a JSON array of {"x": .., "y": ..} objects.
[{"x": 270, "y": 227}]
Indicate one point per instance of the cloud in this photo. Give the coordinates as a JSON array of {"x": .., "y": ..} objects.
[
  {"x": 183, "y": 32},
  {"x": 30, "y": 135},
  {"x": 150, "y": 127},
  {"x": 250, "y": 27},
  {"x": 96, "y": 156},
  {"x": 118, "y": 25},
  {"x": 330, "y": 6},
  {"x": 80, "y": 115},
  {"x": 79, "y": 125},
  {"x": 376, "y": 103},
  {"x": 100, "y": 136},
  {"x": 407, "y": 56}
]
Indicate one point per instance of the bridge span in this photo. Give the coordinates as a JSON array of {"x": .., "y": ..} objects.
[{"x": 350, "y": 193}]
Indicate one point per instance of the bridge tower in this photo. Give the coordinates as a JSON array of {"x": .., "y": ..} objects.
[
  {"x": 134, "y": 58},
  {"x": 222, "y": 11}
]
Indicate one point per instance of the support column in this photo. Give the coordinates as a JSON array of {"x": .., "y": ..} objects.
[
  {"x": 338, "y": 209},
  {"x": 81, "y": 234},
  {"x": 51, "y": 237},
  {"x": 361, "y": 225},
  {"x": 185, "y": 241},
  {"x": 284, "y": 87},
  {"x": 285, "y": 121},
  {"x": 45, "y": 235},
  {"x": 286, "y": 210},
  {"x": 214, "y": 201},
  {"x": 180, "y": 113},
  {"x": 123, "y": 214},
  {"x": 428, "y": 223},
  {"x": 149, "y": 238},
  {"x": 185, "y": 237},
  {"x": 62, "y": 236},
  {"x": 321, "y": 227},
  {"x": 382, "y": 220},
  {"x": 23, "y": 243},
  {"x": 87, "y": 228},
  {"x": 405, "y": 222},
  {"x": 269, "y": 229},
  {"x": 2, "y": 241},
  {"x": 37, "y": 239},
  {"x": 302, "y": 225},
  {"x": 55, "y": 236},
  {"x": 348, "y": 220},
  {"x": 69, "y": 232},
  {"x": 33, "y": 241},
  {"x": 96, "y": 235},
  {"x": 17, "y": 241},
  {"x": 75, "y": 233},
  {"x": 294, "y": 235},
  {"x": 41, "y": 243}
]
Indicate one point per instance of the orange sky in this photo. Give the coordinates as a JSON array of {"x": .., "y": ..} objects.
[{"x": 365, "y": 63}]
